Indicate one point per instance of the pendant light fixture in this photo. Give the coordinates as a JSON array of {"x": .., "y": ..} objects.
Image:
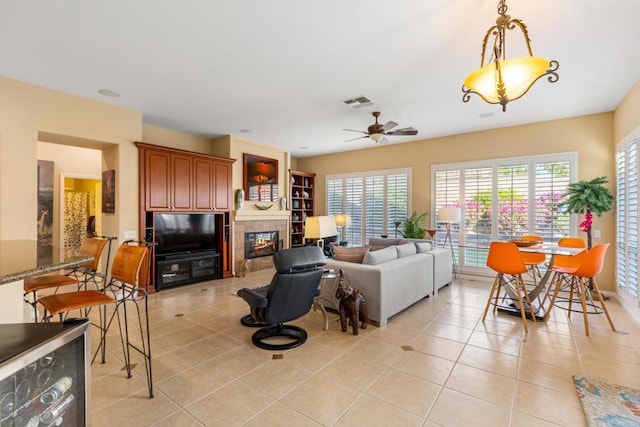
[{"x": 500, "y": 80}]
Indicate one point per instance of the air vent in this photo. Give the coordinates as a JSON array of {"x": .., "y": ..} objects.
[{"x": 358, "y": 102}]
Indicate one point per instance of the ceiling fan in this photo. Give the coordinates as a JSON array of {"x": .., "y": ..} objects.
[{"x": 378, "y": 132}]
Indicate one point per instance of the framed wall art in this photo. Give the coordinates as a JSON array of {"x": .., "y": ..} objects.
[
  {"x": 109, "y": 191},
  {"x": 260, "y": 178}
]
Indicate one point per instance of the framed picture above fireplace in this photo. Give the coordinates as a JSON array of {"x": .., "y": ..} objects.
[{"x": 260, "y": 178}]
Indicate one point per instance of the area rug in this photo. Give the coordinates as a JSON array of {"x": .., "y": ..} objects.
[{"x": 607, "y": 404}]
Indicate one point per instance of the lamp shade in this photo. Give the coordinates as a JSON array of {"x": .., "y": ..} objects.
[
  {"x": 518, "y": 74},
  {"x": 318, "y": 227},
  {"x": 377, "y": 137},
  {"x": 342, "y": 220},
  {"x": 449, "y": 214}
]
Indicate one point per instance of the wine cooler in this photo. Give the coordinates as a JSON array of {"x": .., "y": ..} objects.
[{"x": 44, "y": 374}]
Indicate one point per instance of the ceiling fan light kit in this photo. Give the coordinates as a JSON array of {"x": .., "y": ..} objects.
[
  {"x": 501, "y": 79},
  {"x": 378, "y": 133}
]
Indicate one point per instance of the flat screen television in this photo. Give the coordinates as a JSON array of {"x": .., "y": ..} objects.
[{"x": 184, "y": 233}]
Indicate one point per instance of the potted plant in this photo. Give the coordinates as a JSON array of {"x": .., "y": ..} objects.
[
  {"x": 413, "y": 226},
  {"x": 588, "y": 197}
]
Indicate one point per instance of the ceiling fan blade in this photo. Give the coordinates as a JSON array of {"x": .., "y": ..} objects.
[
  {"x": 360, "y": 137},
  {"x": 384, "y": 140},
  {"x": 389, "y": 125},
  {"x": 404, "y": 131},
  {"x": 353, "y": 130}
]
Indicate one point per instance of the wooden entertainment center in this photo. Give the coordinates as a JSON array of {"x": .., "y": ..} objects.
[{"x": 184, "y": 182}]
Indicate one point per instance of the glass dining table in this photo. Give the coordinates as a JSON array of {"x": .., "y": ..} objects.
[{"x": 539, "y": 310}]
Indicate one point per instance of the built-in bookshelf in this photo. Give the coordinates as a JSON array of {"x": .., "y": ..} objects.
[{"x": 302, "y": 187}]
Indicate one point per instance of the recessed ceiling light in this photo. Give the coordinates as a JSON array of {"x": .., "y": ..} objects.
[
  {"x": 107, "y": 92},
  {"x": 487, "y": 114},
  {"x": 245, "y": 130},
  {"x": 304, "y": 147}
]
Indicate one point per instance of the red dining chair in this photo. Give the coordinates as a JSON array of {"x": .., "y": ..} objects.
[
  {"x": 506, "y": 260},
  {"x": 591, "y": 265}
]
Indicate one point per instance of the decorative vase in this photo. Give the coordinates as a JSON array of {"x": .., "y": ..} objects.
[
  {"x": 283, "y": 203},
  {"x": 239, "y": 199}
]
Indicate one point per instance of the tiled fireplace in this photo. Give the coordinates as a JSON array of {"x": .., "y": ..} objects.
[
  {"x": 252, "y": 251},
  {"x": 260, "y": 244}
]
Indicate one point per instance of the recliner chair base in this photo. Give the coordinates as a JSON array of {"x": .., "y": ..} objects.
[
  {"x": 249, "y": 321},
  {"x": 298, "y": 335}
]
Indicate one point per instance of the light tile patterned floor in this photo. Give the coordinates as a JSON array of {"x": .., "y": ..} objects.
[{"x": 436, "y": 363}]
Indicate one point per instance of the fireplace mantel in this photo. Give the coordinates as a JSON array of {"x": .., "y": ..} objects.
[{"x": 259, "y": 215}]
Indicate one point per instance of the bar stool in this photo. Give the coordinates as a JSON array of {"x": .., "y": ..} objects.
[
  {"x": 591, "y": 265},
  {"x": 129, "y": 274},
  {"x": 506, "y": 260},
  {"x": 80, "y": 276}
]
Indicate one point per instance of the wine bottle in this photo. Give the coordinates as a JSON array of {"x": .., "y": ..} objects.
[
  {"x": 54, "y": 392},
  {"x": 50, "y": 415}
]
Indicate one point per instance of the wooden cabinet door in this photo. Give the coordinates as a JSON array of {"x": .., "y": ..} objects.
[
  {"x": 222, "y": 185},
  {"x": 203, "y": 179},
  {"x": 157, "y": 181},
  {"x": 181, "y": 182}
]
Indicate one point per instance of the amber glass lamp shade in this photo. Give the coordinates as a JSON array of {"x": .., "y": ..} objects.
[{"x": 517, "y": 75}]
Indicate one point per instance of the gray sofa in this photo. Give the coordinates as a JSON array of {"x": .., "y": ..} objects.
[{"x": 393, "y": 275}]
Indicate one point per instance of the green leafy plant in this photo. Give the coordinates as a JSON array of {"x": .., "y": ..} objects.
[
  {"x": 413, "y": 226},
  {"x": 588, "y": 197}
]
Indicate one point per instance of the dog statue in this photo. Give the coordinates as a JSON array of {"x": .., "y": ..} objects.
[{"x": 352, "y": 305}]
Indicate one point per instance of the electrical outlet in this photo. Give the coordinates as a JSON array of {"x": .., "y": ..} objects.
[
  {"x": 596, "y": 234},
  {"x": 129, "y": 235}
]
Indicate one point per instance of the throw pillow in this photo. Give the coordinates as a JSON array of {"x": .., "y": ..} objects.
[
  {"x": 378, "y": 257},
  {"x": 406, "y": 250},
  {"x": 354, "y": 254}
]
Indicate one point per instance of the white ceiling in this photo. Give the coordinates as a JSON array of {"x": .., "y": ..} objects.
[{"x": 281, "y": 68}]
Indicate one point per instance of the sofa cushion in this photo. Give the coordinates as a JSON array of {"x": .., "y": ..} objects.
[
  {"x": 380, "y": 256},
  {"x": 383, "y": 241},
  {"x": 354, "y": 254},
  {"x": 406, "y": 250},
  {"x": 422, "y": 247}
]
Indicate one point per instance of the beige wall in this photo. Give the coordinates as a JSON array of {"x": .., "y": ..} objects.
[
  {"x": 238, "y": 146},
  {"x": 33, "y": 113},
  {"x": 627, "y": 116},
  {"x": 71, "y": 161},
  {"x": 590, "y": 136},
  {"x": 168, "y": 138}
]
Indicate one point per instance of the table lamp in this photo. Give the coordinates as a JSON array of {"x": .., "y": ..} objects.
[
  {"x": 343, "y": 220},
  {"x": 319, "y": 227}
]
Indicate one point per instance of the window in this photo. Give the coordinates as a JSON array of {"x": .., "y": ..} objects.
[
  {"x": 503, "y": 199},
  {"x": 627, "y": 219},
  {"x": 376, "y": 201}
]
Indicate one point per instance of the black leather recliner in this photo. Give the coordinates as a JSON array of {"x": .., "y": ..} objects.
[{"x": 289, "y": 296}]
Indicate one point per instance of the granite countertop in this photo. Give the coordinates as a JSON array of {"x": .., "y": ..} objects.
[{"x": 24, "y": 258}]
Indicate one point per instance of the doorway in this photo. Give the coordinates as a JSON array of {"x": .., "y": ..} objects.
[{"x": 80, "y": 210}]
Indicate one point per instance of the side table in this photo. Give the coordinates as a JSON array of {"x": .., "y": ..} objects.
[{"x": 328, "y": 283}]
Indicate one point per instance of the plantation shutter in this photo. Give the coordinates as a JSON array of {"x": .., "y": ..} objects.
[
  {"x": 627, "y": 219},
  {"x": 551, "y": 182},
  {"x": 354, "y": 207},
  {"x": 478, "y": 202},
  {"x": 503, "y": 199},
  {"x": 374, "y": 196},
  {"x": 397, "y": 202},
  {"x": 374, "y": 200}
]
